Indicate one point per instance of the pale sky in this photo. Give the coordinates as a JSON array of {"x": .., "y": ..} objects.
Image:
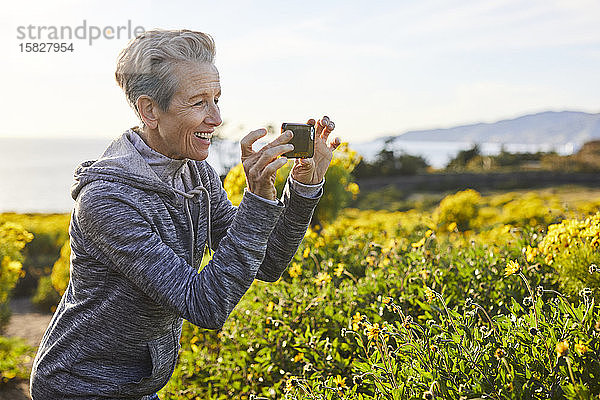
[{"x": 376, "y": 68}]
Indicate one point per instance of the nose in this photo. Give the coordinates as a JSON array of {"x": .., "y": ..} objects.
[{"x": 214, "y": 116}]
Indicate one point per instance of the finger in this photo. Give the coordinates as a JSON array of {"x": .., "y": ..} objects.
[
  {"x": 311, "y": 121},
  {"x": 321, "y": 124},
  {"x": 269, "y": 155},
  {"x": 272, "y": 167},
  {"x": 281, "y": 139},
  {"x": 326, "y": 131},
  {"x": 335, "y": 143},
  {"x": 248, "y": 140},
  {"x": 330, "y": 126}
]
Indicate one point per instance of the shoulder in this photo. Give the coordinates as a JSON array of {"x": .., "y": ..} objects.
[{"x": 102, "y": 198}]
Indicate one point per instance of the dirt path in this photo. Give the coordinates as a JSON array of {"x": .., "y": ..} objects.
[{"x": 27, "y": 323}]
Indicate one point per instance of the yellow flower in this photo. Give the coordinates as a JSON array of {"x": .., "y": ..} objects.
[
  {"x": 12, "y": 265},
  {"x": 511, "y": 268},
  {"x": 322, "y": 278},
  {"x": 354, "y": 189},
  {"x": 299, "y": 357},
  {"x": 499, "y": 353},
  {"x": 306, "y": 252},
  {"x": 418, "y": 244},
  {"x": 531, "y": 253},
  {"x": 562, "y": 348},
  {"x": 270, "y": 307},
  {"x": 581, "y": 348},
  {"x": 339, "y": 270},
  {"x": 289, "y": 385},
  {"x": 373, "y": 331},
  {"x": 370, "y": 260},
  {"x": 295, "y": 270},
  {"x": 451, "y": 227},
  {"x": 356, "y": 321},
  {"x": 429, "y": 295},
  {"x": 340, "y": 382},
  {"x": 428, "y": 233}
]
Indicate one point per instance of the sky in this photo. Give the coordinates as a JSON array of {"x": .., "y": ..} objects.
[{"x": 375, "y": 68}]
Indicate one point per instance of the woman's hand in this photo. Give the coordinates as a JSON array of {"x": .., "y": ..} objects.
[
  {"x": 261, "y": 166},
  {"x": 311, "y": 171}
]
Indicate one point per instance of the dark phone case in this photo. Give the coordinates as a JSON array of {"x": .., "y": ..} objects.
[{"x": 303, "y": 140}]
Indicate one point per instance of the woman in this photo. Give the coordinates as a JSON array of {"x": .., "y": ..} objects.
[{"x": 143, "y": 214}]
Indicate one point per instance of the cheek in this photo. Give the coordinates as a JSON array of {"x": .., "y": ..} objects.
[{"x": 198, "y": 116}]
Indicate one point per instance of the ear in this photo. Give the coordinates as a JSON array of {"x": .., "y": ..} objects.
[{"x": 147, "y": 109}]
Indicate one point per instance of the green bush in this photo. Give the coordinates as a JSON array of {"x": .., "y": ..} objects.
[
  {"x": 12, "y": 240},
  {"x": 571, "y": 247},
  {"x": 49, "y": 233},
  {"x": 61, "y": 270},
  {"x": 14, "y": 356},
  {"x": 388, "y": 163},
  {"x": 460, "y": 208},
  {"x": 51, "y": 288},
  {"x": 46, "y": 298}
]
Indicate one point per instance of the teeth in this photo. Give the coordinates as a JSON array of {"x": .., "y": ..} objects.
[{"x": 203, "y": 135}]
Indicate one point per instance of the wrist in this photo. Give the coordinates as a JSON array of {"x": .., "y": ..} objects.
[{"x": 307, "y": 181}]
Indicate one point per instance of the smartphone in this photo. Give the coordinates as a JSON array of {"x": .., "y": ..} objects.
[{"x": 303, "y": 140}]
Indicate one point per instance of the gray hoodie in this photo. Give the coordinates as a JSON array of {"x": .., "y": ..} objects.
[{"x": 136, "y": 247}]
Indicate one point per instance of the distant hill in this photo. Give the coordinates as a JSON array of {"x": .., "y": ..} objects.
[{"x": 550, "y": 127}]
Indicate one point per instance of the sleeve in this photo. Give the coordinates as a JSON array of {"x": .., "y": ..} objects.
[
  {"x": 308, "y": 191},
  {"x": 116, "y": 229},
  {"x": 287, "y": 235},
  {"x": 288, "y": 232}
]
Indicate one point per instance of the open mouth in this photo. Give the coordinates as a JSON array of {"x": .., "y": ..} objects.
[{"x": 203, "y": 135}]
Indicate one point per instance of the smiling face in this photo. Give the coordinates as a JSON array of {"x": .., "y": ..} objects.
[{"x": 185, "y": 129}]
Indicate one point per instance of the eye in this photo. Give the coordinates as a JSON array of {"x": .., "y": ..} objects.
[
  {"x": 199, "y": 103},
  {"x": 216, "y": 100}
]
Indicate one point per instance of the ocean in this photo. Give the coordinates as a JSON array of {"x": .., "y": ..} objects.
[{"x": 36, "y": 174}]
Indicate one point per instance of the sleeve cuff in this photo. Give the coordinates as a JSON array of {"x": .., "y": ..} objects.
[
  {"x": 308, "y": 191},
  {"x": 272, "y": 202}
]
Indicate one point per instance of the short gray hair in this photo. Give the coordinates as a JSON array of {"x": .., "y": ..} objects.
[{"x": 145, "y": 66}]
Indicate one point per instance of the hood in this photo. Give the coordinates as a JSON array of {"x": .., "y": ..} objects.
[{"x": 121, "y": 162}]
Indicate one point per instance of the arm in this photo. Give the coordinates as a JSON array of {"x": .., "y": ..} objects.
[
  {"x": 288, "y": 233},
  {"x": 130, "y": 245},
  {"x": 299, "y": 201}
]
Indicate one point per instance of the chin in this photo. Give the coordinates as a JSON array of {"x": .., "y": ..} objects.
[{"x": 199, "y": 156}]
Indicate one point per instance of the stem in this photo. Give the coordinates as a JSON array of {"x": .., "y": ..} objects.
[
  {"x": 533, "y": 299},
  {"x": 384, "y": 358},
  {"x": 570, "y": 370},
  {"x": 507, "y": 367},
  {"x": 488, "y": 317},
  {"x": 439, "y": 296}
]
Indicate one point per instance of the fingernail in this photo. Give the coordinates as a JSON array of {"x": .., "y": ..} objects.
[{"x": 331, "y": 125}]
